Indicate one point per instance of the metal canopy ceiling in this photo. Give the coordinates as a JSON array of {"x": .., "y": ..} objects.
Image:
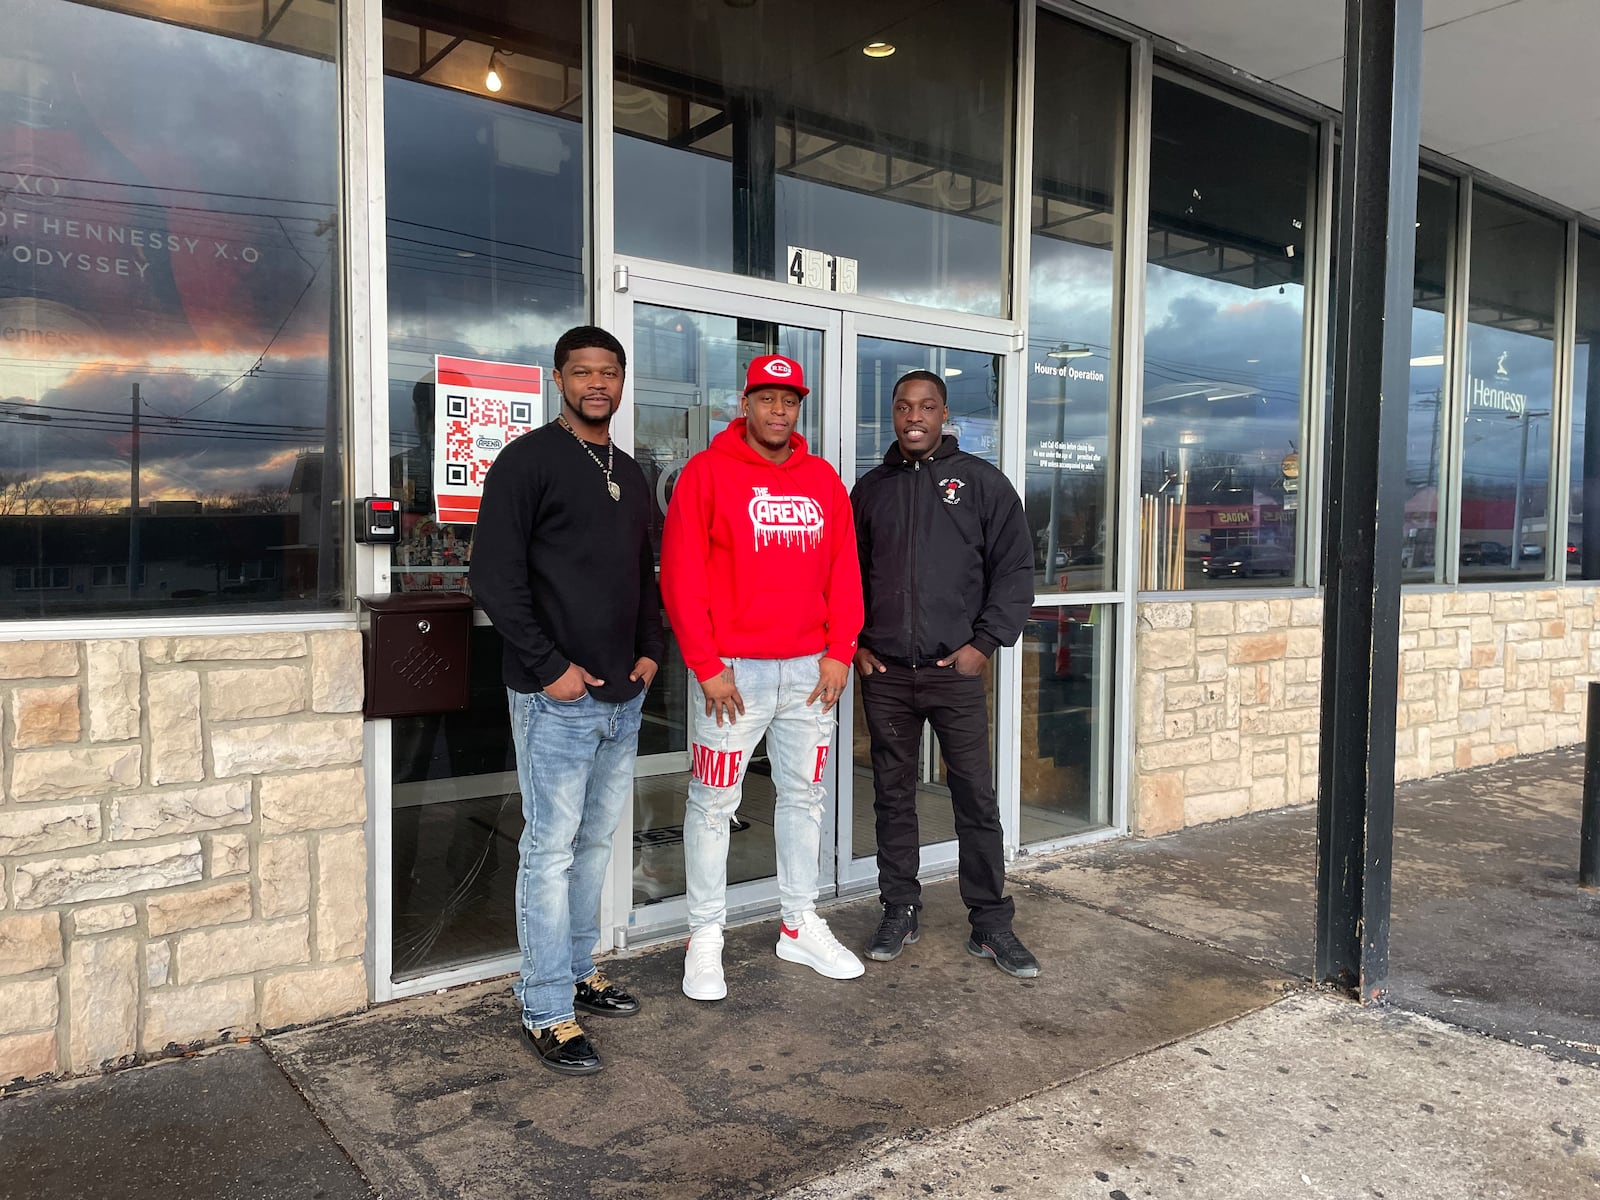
[{"x": 1508, "y": 85}]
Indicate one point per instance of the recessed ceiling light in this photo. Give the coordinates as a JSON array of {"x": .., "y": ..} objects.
[
  {"x": 878, "y": 49},
  {"x": 951, "y": 372}
]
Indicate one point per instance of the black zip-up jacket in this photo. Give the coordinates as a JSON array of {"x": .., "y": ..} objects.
[{"x": 946, "y": 558}]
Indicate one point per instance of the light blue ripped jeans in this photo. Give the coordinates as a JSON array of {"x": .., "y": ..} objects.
[
  {"x": 799, "y": 737},
  {"x": 575, "y": 767}
]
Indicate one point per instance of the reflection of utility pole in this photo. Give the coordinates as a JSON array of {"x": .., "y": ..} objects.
[
  {"x": 133, "y": 507},
  {"x": 1516, "y": 506}
]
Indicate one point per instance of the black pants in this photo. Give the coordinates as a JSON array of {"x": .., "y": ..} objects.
[{"x": 897, "y": 702}]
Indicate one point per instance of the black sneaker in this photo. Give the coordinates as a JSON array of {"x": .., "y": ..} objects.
[
  {"x": 896, "y": 931},
  {"x": 563, "y": 1047},
  {"x": 1009, "y": 954},
  {"x": 602, "y": 998}
]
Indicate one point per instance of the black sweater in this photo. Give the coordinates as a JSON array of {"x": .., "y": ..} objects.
[{"x": 564, "y": 571}]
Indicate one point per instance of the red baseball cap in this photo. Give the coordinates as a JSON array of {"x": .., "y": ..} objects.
[{"x": 774, "y": 370}]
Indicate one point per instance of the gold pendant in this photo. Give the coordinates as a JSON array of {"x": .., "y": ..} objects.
[{"x": 616, "y": 492}]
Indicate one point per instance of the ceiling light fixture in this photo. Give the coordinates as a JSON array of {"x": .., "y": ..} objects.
[
  {"x": 1428, "y": 360},
  {"x": 1068, "y": 350},
  {"x": 951, "y": 372},
  {"x": 878, "y": 49},
  {"x": 491, "y": 79}
]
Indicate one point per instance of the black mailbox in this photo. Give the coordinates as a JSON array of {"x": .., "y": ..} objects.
[{"x": 416, "y": 652}]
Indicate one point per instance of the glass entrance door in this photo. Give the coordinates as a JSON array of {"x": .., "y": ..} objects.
[{"x": 688, "y": 353}]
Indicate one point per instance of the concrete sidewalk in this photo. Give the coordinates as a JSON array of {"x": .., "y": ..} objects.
[{"x": 1171, "y": 1048}]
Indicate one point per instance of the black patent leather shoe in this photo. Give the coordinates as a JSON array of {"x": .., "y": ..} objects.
[
  {"x": 563, "y": 1048},
  {"x": 600, "y": 997},
  {"x": 896, "y": 931},
  {"x": 1009, "y": 954}
]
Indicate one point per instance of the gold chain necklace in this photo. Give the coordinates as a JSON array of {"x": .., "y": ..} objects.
[{"x": 616, "y": 492}]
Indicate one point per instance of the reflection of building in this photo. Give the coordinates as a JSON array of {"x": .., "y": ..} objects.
[{"x": 267, "y": 308}]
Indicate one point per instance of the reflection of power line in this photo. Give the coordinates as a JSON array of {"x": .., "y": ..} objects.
[{"x": 282, "y": 325}]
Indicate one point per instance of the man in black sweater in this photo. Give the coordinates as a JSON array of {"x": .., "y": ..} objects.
[
  {"x": 561, "y": 562},
  {"x": 947, "y": 569}
]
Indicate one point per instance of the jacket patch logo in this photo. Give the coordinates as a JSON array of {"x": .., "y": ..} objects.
[
  {"x": 952, "y": 490},
  {"x": 785, "y": 520}
]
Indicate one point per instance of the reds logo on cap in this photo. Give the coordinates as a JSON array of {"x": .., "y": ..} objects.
[{"x": 774, "y": 370}]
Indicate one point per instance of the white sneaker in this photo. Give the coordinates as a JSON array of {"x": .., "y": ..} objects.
[
  {"x": 702, "y": 965},
  {"x": 813, "y": 945}
]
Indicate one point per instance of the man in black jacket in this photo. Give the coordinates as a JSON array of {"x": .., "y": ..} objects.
[
  {"x": 561, "y": 562},
  {"x": 947, "y": 568}
]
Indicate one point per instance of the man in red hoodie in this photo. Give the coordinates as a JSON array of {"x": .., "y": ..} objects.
[{"x": 762, "y": 585}]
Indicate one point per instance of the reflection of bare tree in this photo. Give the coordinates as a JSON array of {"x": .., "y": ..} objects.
[
  {"x": 82, "y": 495},
  {"x": 22, "y": 495},
  {"x": 263, "y": 498}
]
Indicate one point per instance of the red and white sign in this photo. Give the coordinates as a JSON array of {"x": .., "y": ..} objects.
[{"x": 478, "y": 408}]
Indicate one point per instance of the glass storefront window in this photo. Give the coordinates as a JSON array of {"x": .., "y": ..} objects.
[
  {"x": 1583, "y": 512},
  {"x": 170, "y": 397},
  {"x": 1067, "y": 673},
  {"x": 485, "y": 228},
  {"x": 971, "y": 378},
  {"x": 1517, "y": 258},
  {"x": 1420, "y": 557},
  {"x": 877, "y": 137},
  {"x": 1231, "y": 214},
  {"x": 1073, "y": 287}
]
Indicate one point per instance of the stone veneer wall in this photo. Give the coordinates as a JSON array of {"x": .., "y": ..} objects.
[
  {"x": 1229, "y": 694},
  {"x": 182, "y": 853}
]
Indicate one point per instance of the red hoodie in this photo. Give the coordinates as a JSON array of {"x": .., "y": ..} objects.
[{"x": 758, "y": 559}]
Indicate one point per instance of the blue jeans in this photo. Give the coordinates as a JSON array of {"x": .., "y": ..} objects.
[
  {"x": 575, "y": 767},
  {"x": 799, "y": 736}
]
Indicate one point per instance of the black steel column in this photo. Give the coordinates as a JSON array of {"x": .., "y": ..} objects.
[
  {"x": 755, "y": 184},
  {"x": 1366, "y": 476}
]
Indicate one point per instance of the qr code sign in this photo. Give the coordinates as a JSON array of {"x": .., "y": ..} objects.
[{"x": 489, "y": 406}]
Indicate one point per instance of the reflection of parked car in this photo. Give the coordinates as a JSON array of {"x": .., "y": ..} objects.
[
  {"x": 1532, "y": 549},
  {"x": 1243, "y": 561},
  {"x": 1483, "y": 554}
]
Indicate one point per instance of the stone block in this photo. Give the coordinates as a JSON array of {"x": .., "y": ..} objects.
[
  {"x": 1257, "y": 648},
  {"x": 103, "y": 918},
  {"x": 30, "y": 942},
  {"x": 227, "y": 854},
  {"x": 1306, "y": 610},
  {"x": 1215, "y": 806},
  {"x": 255, "y": 692},
  {"x": 285, "y": 746},
  {"x": 237, "y": 647},
  {"x": 337, "y": 681},
  {"x": 1213, "y": 777},
  {"x": 176, "y": 755},
  {"x": 1160, "y": 806},
  {"x": 297, "y": 997},
  {"x": 109, "y": 873},
  {"x": 157, "y": 964},
  {"x": 313, "y": 800},
  {"x": 1166, "y": 615},
  {"x": 1149, "y": 704},
  {"x": 183, "y": 810},
  {"x": 68, "y": 774},
  {"x": 38, "y": 660},
  {"x": 1210, "y": 668},
  {"x": 1181, "y": 753},
  {"x": 284, "y": 876},
  {"x": 1268, "y": 793},
  {"x": 181, "y": 1017},
  {"x": 103, "y": 986},
  {"x": 218, "y": 904},
  {"x": 1160, "y": 649},
  {"x": 27, "y": 1056},
  {"x": 1178, "y": 725},
  {"x": 29, "y": 1004},
  {"x": 114, "y": 705},
  {"x": 207, "y": 954},
  {"x": 341, "y": 895},
  {"x": 44, "y": 716},
  {"x": 1304, "y": 643},
  {"x": 36, "y": 829},
  {"x": 1252, "y": 616},
  {"x": 1213, "y": 618}
]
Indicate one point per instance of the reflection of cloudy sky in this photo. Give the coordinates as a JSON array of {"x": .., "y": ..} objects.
[{"x": 177, "y": 134}]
